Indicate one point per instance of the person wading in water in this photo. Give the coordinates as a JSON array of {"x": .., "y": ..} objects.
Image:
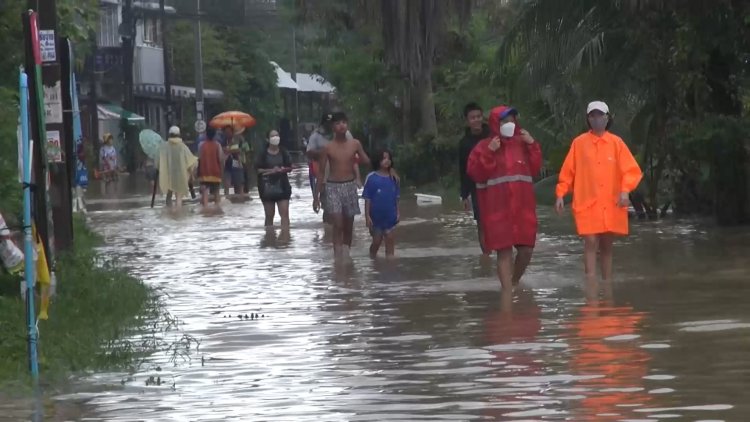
[
  {"x": 342, "y": 200},
  {"x": 601, "y": 172},
  {"x": 273, "y": 165},
  {"x": 476, "y": 130},
  {"x": 175, "y": 166},
  {"x": 503, "y": 168}
]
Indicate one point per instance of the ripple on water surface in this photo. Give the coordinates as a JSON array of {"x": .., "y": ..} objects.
[{"x": 428, "y": 336}]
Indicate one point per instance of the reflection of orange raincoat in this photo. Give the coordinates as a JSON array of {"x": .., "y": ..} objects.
[
  {"x": 597, "y": 170},
  {"x": 623, "y": 365}
]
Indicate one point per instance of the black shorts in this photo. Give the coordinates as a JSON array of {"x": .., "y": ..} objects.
[
  {"x": 151, "y": 173},
  {"x": 475, "y": 206},
  {"x": 212, "y": 187}
]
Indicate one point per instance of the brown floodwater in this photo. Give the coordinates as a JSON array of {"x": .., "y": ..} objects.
[{"x": 427, "y": 336}]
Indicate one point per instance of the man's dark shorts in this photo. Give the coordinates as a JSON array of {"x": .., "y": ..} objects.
[
  {"x": 211, "y": 187},
  {"x": 475, "y": 206}
]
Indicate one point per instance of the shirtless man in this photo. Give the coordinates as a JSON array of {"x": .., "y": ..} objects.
[{"x": 342, "y": 200}]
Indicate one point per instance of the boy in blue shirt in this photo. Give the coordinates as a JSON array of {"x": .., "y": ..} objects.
[{"x": 381, "y": 194}]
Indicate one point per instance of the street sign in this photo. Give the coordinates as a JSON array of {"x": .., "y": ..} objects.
[{"x": 200, "y": 126}]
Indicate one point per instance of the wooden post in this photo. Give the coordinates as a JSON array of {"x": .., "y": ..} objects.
[
  {"x": 38, "y": 160},
  {"x": 64, "y": 48},
  {"x": 54, "y": 133}
]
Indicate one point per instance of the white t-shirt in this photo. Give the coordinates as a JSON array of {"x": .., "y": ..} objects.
[{"x": 318, "y": 141}]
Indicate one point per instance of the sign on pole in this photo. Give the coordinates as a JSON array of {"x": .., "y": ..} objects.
[
  {"x": 53, "y": 110},
  {"x": 199, "y": 110},
  {"x": 200, "y": 126},
  {"x": 47, "y": 45},
  {"x": 54, "y": 147}
]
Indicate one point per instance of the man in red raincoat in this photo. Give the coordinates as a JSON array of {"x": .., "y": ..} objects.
[{"x": 503, "y": 166}]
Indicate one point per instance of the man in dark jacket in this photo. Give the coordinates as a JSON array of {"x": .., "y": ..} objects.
[{"x": 476, "y": 130}]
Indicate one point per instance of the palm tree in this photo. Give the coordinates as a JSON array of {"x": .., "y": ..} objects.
[
  {"x": 411, "y": 32},
  {"x": 657, "y": 63}
]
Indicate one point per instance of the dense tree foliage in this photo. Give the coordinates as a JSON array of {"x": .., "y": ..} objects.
[
  {"x": 674, "y": 73},
  {"x": 75, "y": 19}
]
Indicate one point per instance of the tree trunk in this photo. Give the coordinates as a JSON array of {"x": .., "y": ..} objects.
[
  {"x": 406, "y": 117},
  {"x": 652, "y": 207},
  {"x": 747, "y": 179},
  {"x": 729, "y": 175},
  {"x": 424, "y": 100}
]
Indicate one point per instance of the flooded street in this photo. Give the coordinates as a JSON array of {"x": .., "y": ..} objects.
[{"x": 428, "y": 336}]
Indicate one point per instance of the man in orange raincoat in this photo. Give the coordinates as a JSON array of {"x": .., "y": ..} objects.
[
  {"x": 601, "y": 172},
  {"x": 503, "y": 167}
]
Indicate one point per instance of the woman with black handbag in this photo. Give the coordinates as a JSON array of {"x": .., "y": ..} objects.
[{"x": 273, "y": 164}]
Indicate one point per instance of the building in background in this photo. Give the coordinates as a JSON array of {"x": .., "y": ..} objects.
[
  {"x": 103, "y": 80},
  {"x": 315, "y": 95}
]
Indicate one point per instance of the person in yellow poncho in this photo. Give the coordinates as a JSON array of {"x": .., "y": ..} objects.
[{"x": 175, "y": 166}]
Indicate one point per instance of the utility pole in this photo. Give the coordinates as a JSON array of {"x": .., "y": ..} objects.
[
  {"x": 53, "y": 134},
  {"x": 296, "y": 91},
  {"x": 65, "y": 51},
  {"x": 199, "y": 110},
  {"x": 91, "y": 101},
  {"x": 167, "y": 63},
  {"x": 29, "y": 106},
  {"x": 128, "y": 51}
]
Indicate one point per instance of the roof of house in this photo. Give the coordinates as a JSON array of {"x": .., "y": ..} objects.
[{"x": 306, "y": 82}]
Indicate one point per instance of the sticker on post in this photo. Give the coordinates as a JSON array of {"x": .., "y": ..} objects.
[
  {"x": 47, "y": 45},
  {"x": 54, "y": 147},
  {"x": 200, "y": 126},
  {"x": 53, "y": 111}
]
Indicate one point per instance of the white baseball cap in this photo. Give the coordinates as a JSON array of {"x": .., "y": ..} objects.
[
  {"x": 597, "y": 105},
  {"x": 174, "y": 130}
]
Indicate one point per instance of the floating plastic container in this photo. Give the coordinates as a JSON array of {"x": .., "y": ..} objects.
[{"x": 424, "y": 199}]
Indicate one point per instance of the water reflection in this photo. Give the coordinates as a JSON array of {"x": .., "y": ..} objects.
[
  {"x": 605, "y": 343},
  {"x": 511, "y": 330},
  {"x": 428, "y": 335},
  {"x": 276, "y": 238}
]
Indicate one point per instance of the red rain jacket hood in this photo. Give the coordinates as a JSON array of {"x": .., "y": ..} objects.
[{"x": 495, "y": 118}]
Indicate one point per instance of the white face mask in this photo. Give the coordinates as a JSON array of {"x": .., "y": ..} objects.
[
  {"x": 508, "y": 129},
  {"x": 274, "y": 140}
]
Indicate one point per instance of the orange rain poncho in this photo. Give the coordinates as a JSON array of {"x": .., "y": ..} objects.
[{"x": 597, "y": 170}]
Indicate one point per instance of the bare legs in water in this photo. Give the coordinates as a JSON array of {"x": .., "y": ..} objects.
[
  {"x": 270, "y": 211},
  {"x": 601, "y": 245},
  {"x": 509, "y": 271}
]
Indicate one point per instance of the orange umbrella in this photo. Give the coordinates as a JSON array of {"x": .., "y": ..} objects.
[{"x": 237, "y": 119}]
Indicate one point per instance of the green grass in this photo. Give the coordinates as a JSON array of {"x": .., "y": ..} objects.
[{"x": 97, "y": 312}]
